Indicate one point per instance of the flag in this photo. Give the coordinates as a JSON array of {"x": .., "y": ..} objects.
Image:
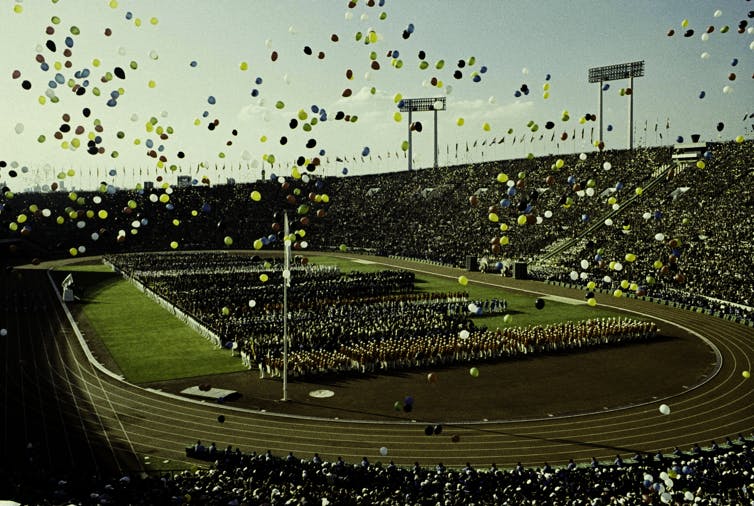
[{"x": 502, "y": 140}]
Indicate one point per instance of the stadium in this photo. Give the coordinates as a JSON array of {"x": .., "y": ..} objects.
[{"x": 545, "y": 315}]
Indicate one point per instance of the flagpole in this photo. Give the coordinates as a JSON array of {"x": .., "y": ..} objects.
[{"x": 286, "y": 282}]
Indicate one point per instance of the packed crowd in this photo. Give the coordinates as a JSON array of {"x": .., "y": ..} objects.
[
  {"x": 719, "y": 474},
  {"x": 690, "y": 232}
]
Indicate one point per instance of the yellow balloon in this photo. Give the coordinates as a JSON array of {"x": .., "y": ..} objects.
[
  {"x": 174, "y": 245},
  {"x": 256, "y": 196},
  {"x": 493, "y": 217},
  {"x": 460, "y": 121},
  {"x": 263, "y": 278},
  {"x": 463, "y": 280},
  {"x": 592, "y": 302}
]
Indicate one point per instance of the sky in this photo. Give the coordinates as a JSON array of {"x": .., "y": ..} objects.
[{"x": 213, "y": 87}]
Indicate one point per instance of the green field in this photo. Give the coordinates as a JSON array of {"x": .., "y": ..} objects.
[
  {"x": 149, "y": 344},
  {"x": 146, "y": 341}
]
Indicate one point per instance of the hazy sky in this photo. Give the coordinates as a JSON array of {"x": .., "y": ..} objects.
[{"x": 505, "y": 44}]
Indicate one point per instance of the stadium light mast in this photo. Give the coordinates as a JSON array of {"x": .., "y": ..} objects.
[
  {"x": 286, "y": 284},
  {"x": 421, "y": 105},
  {"x": 612, "y": 73}
]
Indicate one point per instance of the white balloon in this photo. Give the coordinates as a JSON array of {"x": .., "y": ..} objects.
[
  {"x": 705, "y": 55},
  {"x": 585, "y": 264},
  {"x": 727, "y": 89},
  {"x": 19, "y": 128},
  {"x": 548, "y": 214},
  {"x": 665, "y": 410},
  {"x": 589, "y": 192},
  {"x": 582, "y": 156},
  {"x": 492, "y": 100},
  {"x": 574, "y": 275},
  {"x": 717, "y": 14},
  {"x": 607, "y": 166},
  {"x": 705, "y": 37},
  {"x": 609, "y": 222},
  {"x": 383, "y": 451},
  {"x": 464, "y": 334}
]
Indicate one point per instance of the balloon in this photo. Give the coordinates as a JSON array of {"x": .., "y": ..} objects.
[
  {"x": 474, "y": 372},
  {"x": 591, "y": 302},
  {"x": 746, "y": 374},
  {"x": 431, "y": 378},
  {"x": 664, "y": 409},
  {"x": 539, "y": 303},
  {"x": 264, "y": 278},
  {"x": 463, "y": 280},
  {"x": 383, "y": 451}
]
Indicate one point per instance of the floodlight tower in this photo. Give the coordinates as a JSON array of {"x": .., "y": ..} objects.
[
  {"x": 620, "y": 71},
  {"x": 419, "y": 105}
]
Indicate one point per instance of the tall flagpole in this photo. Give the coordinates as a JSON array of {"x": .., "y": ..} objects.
[{"x": 286, "y": 283}]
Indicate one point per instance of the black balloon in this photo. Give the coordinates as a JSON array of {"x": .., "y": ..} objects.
[{"x": 539, "y": 303}]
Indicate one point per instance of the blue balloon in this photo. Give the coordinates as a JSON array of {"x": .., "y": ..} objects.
[
  {"x": 505, "y": 203},
  {"x": 44, "y": 66},
  {"x": 113, "y": 172},
  {"x": 52, "y": 84},
  {"x": 547, "y": 77},
  {"x": 344, "y": 171},
  {"x": 734, "y": 62},
  {"x": 193, "y": 63},
  {"x": 365, "y": 151},
  {"x": 584, "y": 218},
  {"x": 410, "y": 28},
  {"x": 658, "y": 215},
  {"x": 169, "y": 206},
  {"x": 149, "y": 143},
  {"x": 321, "y": 152},
  {"x": 59, "y": 78},
  {"x": 571, "y": 179},
  {"x": 702, "y": 94},
  {"x": 254, "y": 92},
  {"x": 679, "y": 139},
  {"x": 258, "y": 80},
  {"x": 205, "y": 114},
  {"x": 211, "y": 100},
  {"x": 707, "y": 155},
  {"x": 512, "y": 191},
  {"x": 483, "y": 69},
  {"x": 605, "y": 87},
  {"x": 129, "y": 15},
  {"x": 112, "y": 103},
  {"x": 618, "y": 185},
  {"x": 206, "y": 208},
  {"x": 476, "y": 78},
  {"x": 517, "y": 94},
  {"x": 69, "y": 41},
  {"x": 396, "y": 54},
  {"x": 609, "y": 128}
]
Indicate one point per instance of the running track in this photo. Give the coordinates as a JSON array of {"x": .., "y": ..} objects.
[{"x": 78, "y": 416}]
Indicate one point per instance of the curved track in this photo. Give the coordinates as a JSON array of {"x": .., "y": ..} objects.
[{"x": 74, "y": 413}]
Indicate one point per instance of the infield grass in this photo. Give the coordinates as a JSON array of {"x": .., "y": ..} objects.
[{"x": 149, "y": 344}]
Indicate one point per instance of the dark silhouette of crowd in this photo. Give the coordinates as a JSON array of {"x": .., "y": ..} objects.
[{"x": 717, "y": 474}]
